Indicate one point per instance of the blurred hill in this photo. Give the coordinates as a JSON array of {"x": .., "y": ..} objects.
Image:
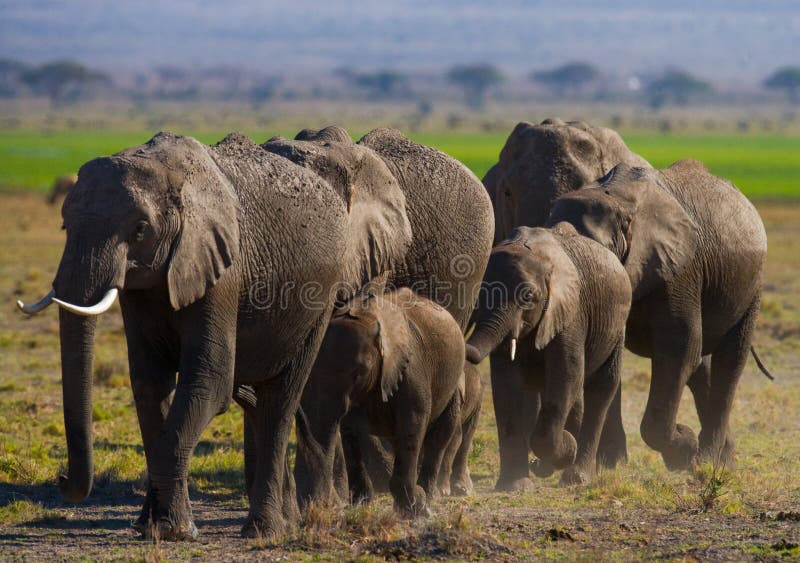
[{"x": 730, "y": 42}]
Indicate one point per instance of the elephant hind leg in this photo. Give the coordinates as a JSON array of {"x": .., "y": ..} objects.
[
  {"x": 460, "y": 481},
  {"x": 727, "y": 364},
  {"x": 613, "y": 447}
]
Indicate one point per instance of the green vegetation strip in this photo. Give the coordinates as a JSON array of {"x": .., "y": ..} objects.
[{"x": 762, "y": 166}]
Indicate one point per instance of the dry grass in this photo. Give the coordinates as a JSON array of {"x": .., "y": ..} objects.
[{"x": 639, "y": 510}]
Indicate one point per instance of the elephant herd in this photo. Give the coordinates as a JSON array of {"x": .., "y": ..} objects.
[{"x": 331, "y": 283}]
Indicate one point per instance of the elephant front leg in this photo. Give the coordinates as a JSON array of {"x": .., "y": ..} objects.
[
  {"x": 355, "y": 441},
  {"x": 599, "y": 393},
  {"x": 512, "y": 408},
  {"x": 198, "y": 398},
  {"x": 153, "y": 382},
  {"x": 410, "y": 499},
  {"x": 551, "y": 441}
]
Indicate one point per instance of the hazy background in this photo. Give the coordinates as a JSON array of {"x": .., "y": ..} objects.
[{"x": 730, "y": 41}]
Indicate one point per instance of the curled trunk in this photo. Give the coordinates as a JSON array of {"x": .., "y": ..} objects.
[{"x": 489, "y": 333}]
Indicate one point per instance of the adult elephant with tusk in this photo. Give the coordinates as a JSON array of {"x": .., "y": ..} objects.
[{"x": 227, "y": 261}]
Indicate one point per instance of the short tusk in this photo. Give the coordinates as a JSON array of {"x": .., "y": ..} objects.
[
  {"x": 513, "y": 348},
  {"x": 104, "y": 305},
  {"x": 40, "y": 305}
]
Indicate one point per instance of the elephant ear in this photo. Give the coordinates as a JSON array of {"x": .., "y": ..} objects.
[
  {"x": 208, "y": 242},
  {"x": 394, "y": 343},
  {"x": 563, "y": 290},
  {"x": 661, "y": 237},
  {"x": 379, "y": 232}
]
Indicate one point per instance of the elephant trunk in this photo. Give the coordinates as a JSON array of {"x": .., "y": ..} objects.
[
  {"x": 488, "y": 334},
  {"x": 77, "y": 354}
]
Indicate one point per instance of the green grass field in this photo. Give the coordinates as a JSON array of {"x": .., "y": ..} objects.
[{"x": 762, "y": 166}]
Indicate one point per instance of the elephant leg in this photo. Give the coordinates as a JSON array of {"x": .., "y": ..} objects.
[
  {"x": 409, "y": 498},
  {"x": 676, "y": 355},
  {"x": 250, "y": 455},
  {"x": 613, "y": 448},
  {"x": 379, "y": 460},
  {"x": 153, "y": 382},
  {"x": 598, "y": 393},
  {"x": 340, "y": 482},
  {"x": 446, "y": 469},
  {"x": 443, "y": 430},
  {"x": 727, "y": 364},
  {"x": 561, "y": 403},
  {"x": 512, "y": 408},
  {"x": 461, "y": 482},
  {"x": 355, "y": 433}
]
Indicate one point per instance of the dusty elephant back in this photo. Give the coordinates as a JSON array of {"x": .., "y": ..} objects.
[{"x": 451, "y": 221}]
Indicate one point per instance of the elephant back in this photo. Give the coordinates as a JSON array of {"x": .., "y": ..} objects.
[{"x": 451, "y": 220}]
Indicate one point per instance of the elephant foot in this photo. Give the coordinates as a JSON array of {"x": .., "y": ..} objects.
[
  {"x": 415, "y": 507},
  {"x": 574, "y": 475},
  {"x": 444, "y": 489},
  {"x": 724, "y": 456},
  {"x": 272, "y": 529},
  {"x": 542, "y": 469},
  {"x": 682, "y": 453},
  {"x": 462, "y": 487},
  {"x": 172, "y": 525},
  {"x": 523, "y": 484}
]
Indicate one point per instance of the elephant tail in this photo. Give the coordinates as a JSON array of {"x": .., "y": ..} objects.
[{"x": 761, "y": 366}]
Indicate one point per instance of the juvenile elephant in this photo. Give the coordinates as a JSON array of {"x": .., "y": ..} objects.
[
  {"x": 694, "y": 249},
  {"x": 559, "y": 301},
  {"x": 454, "y": 476},
  {"x": 227, "y": 261},
  {"x": 538, "y": 164},
  {"x": 61, "y": 187},
  {"x": 389, "y": 366}
]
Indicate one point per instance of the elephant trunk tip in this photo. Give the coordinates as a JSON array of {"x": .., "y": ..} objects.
[
  {"x": 74, "y": 490},
  {"x": 474, "y": 356}
]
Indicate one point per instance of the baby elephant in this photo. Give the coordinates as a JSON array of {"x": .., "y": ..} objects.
[
  {"x": 454, "y": 477},
  {"x": 390, "y": 366},
  {"x": 557, "y": 302}
]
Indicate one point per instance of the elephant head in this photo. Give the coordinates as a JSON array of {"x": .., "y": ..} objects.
[
  {"x": 161, "y": 217},
  {"x": 365, "y": 352},
  {"x": 531, "y": 286},
  {"x": 539, "y": 163},
  {"x": 632, "y": 212}
]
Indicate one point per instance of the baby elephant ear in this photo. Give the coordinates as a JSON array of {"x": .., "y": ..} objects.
[
  {"x": 394, "y": 342},
  {"x": 208, "y": 242},
  {"x": 563, "y": 295}
]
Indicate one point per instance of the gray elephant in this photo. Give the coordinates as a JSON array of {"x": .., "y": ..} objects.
[
  {"x": 227, "y": 261},
  {"x": 454, "y": 476},
  {"x": 559, "y": 301},
  {"x": 390, "y": 366},
  {"x": 538, "y": 164},
  {"x": 694, "y": 249},
  {"x": 541, "y": 162}
]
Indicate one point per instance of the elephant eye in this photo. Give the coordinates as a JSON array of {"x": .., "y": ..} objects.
[{"x": 140, "y": 231}]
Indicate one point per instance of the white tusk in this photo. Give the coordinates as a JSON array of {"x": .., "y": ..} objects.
[
  {"x": 104, "y": 305},
  {"x": 43, "y": 303},
  {"x": 513, "y": 348}
]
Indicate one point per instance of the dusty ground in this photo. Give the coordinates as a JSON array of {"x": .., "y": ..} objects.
[{"x": 638, "y": 511}]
